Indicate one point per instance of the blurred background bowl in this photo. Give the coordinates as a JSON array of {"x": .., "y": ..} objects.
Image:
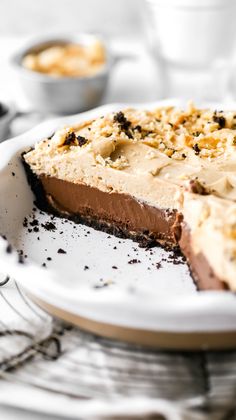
[{"x": 63, "y": 95}]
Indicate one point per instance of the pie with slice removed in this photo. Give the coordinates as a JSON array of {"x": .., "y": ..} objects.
[{"x": 164, "y": 176}]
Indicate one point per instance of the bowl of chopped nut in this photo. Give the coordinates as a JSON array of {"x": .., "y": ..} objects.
[{"x": 64, "y": 75}]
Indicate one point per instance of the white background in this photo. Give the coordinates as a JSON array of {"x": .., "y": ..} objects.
[{"x": 113, "y": 17}]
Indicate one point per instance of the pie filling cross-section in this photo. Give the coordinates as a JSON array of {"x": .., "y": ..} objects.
[{"x": 165, "y": 176}]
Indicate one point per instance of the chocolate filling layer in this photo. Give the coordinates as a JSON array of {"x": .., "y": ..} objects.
[
  {"x": 118, "y": 211},
  {"x": 118, "y": 214}
]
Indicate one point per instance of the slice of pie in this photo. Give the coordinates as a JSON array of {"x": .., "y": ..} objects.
[{"x": 166, "y": 176}]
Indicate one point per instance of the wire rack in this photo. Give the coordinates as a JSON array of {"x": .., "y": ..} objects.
[{"x": 45, "y": 354}]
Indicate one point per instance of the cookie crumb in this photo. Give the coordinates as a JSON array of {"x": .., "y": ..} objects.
[
  {"x": 61, "y": 251},
  {"x": 49, "y": 226},
  {"x": 134, "y": 261}
]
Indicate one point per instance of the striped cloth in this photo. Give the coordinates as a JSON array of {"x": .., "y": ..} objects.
[{"x": 73, "y": 370}]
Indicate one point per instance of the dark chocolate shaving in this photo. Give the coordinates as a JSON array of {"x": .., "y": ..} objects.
[
  {"x": 70, "y": 140},
  {"x": 197, "y": 188},
  {"x": 220, "y": 120},
  {"x": 73, "y": 140},
  {"x": 81, "y": 140},
  {"x": 124, "y": 124},
  {"x": 196, "y": 149}
]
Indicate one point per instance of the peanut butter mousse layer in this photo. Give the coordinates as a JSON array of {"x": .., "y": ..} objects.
[{"x": 163, "y": 176}]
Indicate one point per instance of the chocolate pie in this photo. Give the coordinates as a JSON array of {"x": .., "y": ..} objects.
[{"x": 165, "y": 176}]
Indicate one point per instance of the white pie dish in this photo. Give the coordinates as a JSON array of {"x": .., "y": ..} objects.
[{"x": 140, "y": 303}]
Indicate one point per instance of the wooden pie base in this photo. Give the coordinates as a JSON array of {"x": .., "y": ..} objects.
[{"x": 163, "y": 340}]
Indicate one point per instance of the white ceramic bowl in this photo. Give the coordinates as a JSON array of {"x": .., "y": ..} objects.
[
  {"x": 63, "y": 95},
  {"x": 193, "y": 32}
]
